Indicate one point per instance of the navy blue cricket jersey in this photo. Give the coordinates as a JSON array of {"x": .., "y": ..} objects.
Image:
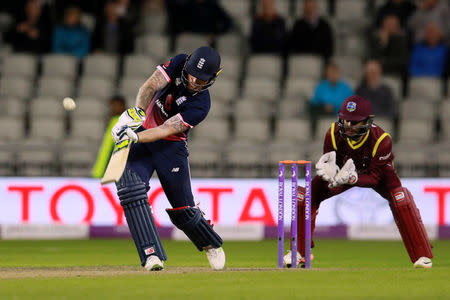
[{"x": 175, "y": 99}]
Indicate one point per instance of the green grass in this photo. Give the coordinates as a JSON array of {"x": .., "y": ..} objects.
[{"x": 341, "y": 270}]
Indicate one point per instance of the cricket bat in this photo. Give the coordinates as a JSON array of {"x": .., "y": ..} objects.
[{"x": 117, "y": 162}]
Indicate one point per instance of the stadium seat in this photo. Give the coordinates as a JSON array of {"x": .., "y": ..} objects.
[
  {"x": 253, "y": 130},
  {"x": 88, "y": 129},
  {"x": 306, "y": 66},
  {"x": 16, "y": 87},
  {"x": 264, "y": 66},
  {"x": 323, "y": 125},
  {"x": 15, "y": 126},
  {"x": 350, "y": 67},
  {"x": 95, "y": 87},
  {"x": 77, "y": 162},
  {"x": 90, "y": 109},
  {"x": 386, "y": 124},
  {"x": 426, "y": 88},
  {"x": 12, "y": 107},
  {"x": 7, "y": 162},
  {"x": 155, "y": 45},
  {"x": 418, "y": 108},
  {"x": 295, "y": 107},
  {"x": 188, "y": 42},
  {"x": 265, "y": 89},
  {"x": 219, "y": 110},
  {"x": 416, "y": 130},
  {"x": 58, "y": 65},
  {"x": 244, "y": 159},
  {"x": 237, "y": 9},
  {"x": 350, "y": 9},
  {"x": 100, "y": 66},
  {"x": 129, "y": 86},
  {"x": 46, "y": 128},
  {"x": 395, "y": 83},
  {"x": 19, "y": 65},
  {"x": 42, "y": 107},
  {"x": 251, "y": 108},
  {"x": 224, "y": 89},
  {"x": 55, "y": 87},
  {"x": 300, "y": 87},
  {"x": 34, "y": 162},
  {"x": 412, "y": 163},
  {"x": 139, "y": 66},
  {"x": 293, "y": 130},
  {"x": 205, "y": 158},
  {"x": 232, "y": 67},
  {"x": 445, "y": 120},
  {"x": 230, "y": 44},
  {"x": 214, "y": 130}
]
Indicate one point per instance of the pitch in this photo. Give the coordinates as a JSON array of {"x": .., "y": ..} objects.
[{"x": 107, "y": 269}]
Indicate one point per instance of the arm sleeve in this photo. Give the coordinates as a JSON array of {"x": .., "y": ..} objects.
[
  {"x": 192, "y": 115},
  {"x": 169, "y": 68},
  {"x": 382, "y": 158}
]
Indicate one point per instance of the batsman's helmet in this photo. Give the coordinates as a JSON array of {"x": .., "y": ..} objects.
[
  {"x": 204, "y": 64},
  {"x": 355, "y": 109}
]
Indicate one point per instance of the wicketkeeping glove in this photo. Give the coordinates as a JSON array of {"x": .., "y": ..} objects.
[
  {"x": 347, "y": 175},
  {"x": 326, "y": 166},
  {"x": 131, "y": 118}
]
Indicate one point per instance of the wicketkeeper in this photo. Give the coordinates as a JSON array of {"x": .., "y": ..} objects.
[
  {"x": 358, "y": 152},
  {"x": 171, "y": 102}
]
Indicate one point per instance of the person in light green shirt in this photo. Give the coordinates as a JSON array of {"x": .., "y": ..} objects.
[{"x": 116, "y": 107}]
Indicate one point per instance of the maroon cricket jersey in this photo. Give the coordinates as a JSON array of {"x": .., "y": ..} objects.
[{"x": 371, "y": 154}]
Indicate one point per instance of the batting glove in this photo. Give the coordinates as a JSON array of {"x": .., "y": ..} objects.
[
  {"x": 347, "y": 175},
  {"x": 326, "y": 166},
  {"x": 125, "y": 133},
  {"x": 131, "y": 118}
]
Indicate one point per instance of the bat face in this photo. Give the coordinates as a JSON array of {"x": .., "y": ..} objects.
[{"x": 117, "y": 162}]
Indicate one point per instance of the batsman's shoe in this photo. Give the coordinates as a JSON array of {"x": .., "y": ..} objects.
[
  {"x": 216, "y": 258},
  {"x": 287, "y": 259},
  {"x": 153, "y": 263},
  {"x": 423, "y": 262}
]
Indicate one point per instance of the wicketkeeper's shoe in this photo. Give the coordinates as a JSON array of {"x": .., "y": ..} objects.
[
  {"x": 423, "y": 262},
  {"x": 153, "y": 263},
  {"x": 287, "y": 259},
  {"x": 216, "y": 257}
]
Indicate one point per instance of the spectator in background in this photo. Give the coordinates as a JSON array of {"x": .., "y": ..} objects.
[
  {"x": 112, "y": 33},
  {"x": 268, "y": 30},
  {"x": 390, "y": 45},
  {"x": 32, "y": 30},
  {"x": 197, "y": 16},
  {"x": 311, "y": 34},
  {"x": 330, "y": 92},
  {"x": 436, "y": 11},
  {"x": 402, "y": 9},
  {"x": 117, "y": 105},
  {"x": 71, "y": 37},
  {"x": 379, "y": 94},
  {"x": 429, "y": 57}
]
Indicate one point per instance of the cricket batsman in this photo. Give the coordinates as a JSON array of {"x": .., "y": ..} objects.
[
  {"x": 172, "y": 101},
  {"x": 357, "y": 152}
]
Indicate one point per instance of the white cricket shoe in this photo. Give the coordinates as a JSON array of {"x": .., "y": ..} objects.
[
  {"x": 216, "y": 257},
  {"x": 287, "y": 259},
  {"x": 423, "y": 262},
  {"x": 153, "y": 263}
]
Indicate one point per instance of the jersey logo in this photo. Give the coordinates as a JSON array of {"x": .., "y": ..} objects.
[
  {"x": 351, "y": 106},
  {"x": 166, "y": 64},
  {"x": 385, "y": 157},
  {"x": 180, "y": 100},
  {"x": 201, "y": 62},
  {"x": 399, "y": 196},
  {"x": 175, "y": 170}
]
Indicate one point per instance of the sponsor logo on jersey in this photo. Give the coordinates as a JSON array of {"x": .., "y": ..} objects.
[
  {"x": 201, "y": 62},
  {"x": 180, "y": 100},
  {"x": 351, "y": 106},
  {"x": 399, "y": 196},
  {"x": 149, "y": 251},
  {"x": 385, "y": 157},
  {"x": 175, "y": 170},
  {"x": 161, "y": 108}
]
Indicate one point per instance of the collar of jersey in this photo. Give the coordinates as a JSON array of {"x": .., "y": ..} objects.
[{"x": 356, "y": 145}]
